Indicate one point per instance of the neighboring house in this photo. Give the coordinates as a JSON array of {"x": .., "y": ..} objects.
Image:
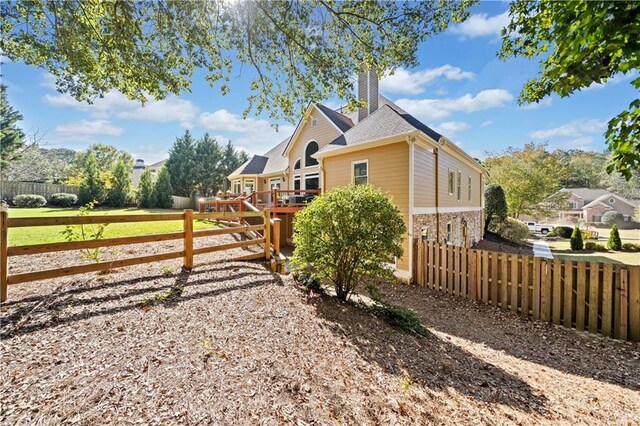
[
  {"x": 590, "y": 204},
  {"x": 435, "y": 184},
  {"x": 141, "y": 167}
]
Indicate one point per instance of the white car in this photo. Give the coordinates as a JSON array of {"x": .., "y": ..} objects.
[{"x": 544, "y": 229}]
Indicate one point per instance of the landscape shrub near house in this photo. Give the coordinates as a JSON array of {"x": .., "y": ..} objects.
[
  {"x": 632, "y": 247},
  {"x": 576, "y": 242},
  {"x": 495, "y": 205},
  {"x": 348, "y": 236},
  {"x": 510, "y": 229},
  {"x": 612, "y": 218},
  {"x": 561, "y": 231},
  {"x": 593, "y": 246},
  {"x": 614, "y": 242},
  {"x": 63, "y": 199},
  {"x": 29, "y": 201}
]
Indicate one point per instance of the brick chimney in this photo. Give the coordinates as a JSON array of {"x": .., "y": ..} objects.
[{"x": 368, "y": 92}]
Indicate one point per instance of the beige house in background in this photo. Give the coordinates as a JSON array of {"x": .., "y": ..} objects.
[
  {"x": 590, "y": 204},
  {"x": 435, "y": 184},
  {"x": 140, "y": 167}
]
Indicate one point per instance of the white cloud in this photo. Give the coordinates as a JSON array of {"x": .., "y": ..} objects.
[
  {"x": 404, "y": 81},
  {"x": 616, "y": 79},
  {"x": 546, "y": 102},
  {"x": 434, "y": 109},
  {"x": 170, "y": 109},
  {"x": 481, "y": 25},
  {"x": 486, "y": 123},
  {"x": 112, "y": 103},
  {"x": 450, "y": 128},
  {"x": 573, "y": 129},
  {"x": 89, "y": 128}
]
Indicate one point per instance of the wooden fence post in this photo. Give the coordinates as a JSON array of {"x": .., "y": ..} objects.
[
  {"x": 267, "y": 234},
  {"x": 3, "y": 253},
  {"x": 276, "y": 235},
  {"x": 473, "y": 277},
  {"x": 188, "y": 239}
]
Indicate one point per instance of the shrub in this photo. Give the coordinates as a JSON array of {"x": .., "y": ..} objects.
[
  {"x": 90, "y": 232},
  {"x": 614, "y": 242},
  {"x": 162, "y": 190},
  {"x": 576, "y": 242},
  {"x": 146, "y": 197},
  {"x": 63, "y": 199},
  {"x": 30, "y": 201},
  {"x": 612, "y": 218},
  {"x": 561, "y": 231},
  {"x": 495, "y": 205},
  {"x": 120, "y": 191},
  {"x": 593, "y": 246},
  {"x": 631, "y": 247},
  {"x": 589, "y": 235},
  {"x": 347, "y": 236},
  {"x": 511, "y": 230},
  {"x": 92, "y": 187},
  {"x": 403, "y": 318},
  {"x": 309, "y": 281}
]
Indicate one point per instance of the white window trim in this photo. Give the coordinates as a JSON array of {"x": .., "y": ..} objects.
[
  {"x": 469, "y": 188},
  {"x": 310, "y": 176},
  {"x": 298, "y": 178},
  {"x": 453, "y": 189},
  {"x": 294, "y": 164},
  {"x": 304, "y": 154},
  {"x": 458, "y": 186},
  {"x": 449, "y": 233},
  {"x": 353, "y": 164},
  {"x": 253, "y": 181}
]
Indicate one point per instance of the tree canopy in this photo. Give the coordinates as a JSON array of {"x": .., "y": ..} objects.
[
  {"x": 12, "y": 139},
  {"x": 294, "y": 51},
  {"x": 581, "y": 43}
]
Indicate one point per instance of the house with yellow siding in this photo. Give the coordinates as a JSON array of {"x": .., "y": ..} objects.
[{"x": 436, "y": 185}]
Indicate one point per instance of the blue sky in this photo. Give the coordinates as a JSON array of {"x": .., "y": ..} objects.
[{"x": 460, "y": 88}]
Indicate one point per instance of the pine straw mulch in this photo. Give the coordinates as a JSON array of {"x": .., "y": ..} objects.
[{"x": 233, "y": 343}]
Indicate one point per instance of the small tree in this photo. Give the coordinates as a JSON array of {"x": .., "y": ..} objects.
[
  {"x": 92, "y": 187},
  {"x": 495, "y": 205},
  {"x": 614, "y": 242},
  {"x": 636, "y": 214},
  {"x": 146, "y": 193},
  {"x": 162, "y": 191},
  {"x": 348, "y": 236},
  {"x": 612, "y": 218},
  {"x": 576, "y": 239},
  {"x": 120, "y": 191}
]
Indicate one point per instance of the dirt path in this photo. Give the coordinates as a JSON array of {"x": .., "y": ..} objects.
[{"x": 233, "y": 343}]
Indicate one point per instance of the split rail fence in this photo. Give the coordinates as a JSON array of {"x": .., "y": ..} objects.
[
  {"x": 263, "y": 238},
  {"x": 592, "y": 296}
]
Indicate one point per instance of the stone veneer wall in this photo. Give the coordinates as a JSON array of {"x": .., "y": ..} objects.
[{"x": 473, "y": 219}]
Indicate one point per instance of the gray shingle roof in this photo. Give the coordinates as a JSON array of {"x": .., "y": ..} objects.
[
  {"x": 587, "y": 194},
  {"x": 343, "y": 122},
  {"x": 271, "y": 162}
]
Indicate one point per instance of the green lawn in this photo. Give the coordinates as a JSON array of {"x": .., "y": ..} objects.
[
  {"x": 51, "y": 234},
  {"x": 562, "y": 250}
]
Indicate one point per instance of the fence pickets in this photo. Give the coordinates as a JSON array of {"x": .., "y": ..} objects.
[{"x": 597, "y": 297}]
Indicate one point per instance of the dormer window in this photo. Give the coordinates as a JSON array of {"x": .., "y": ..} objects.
[
  {"x": 312, "y": 148},
  {"x": 297, "y": 165}
]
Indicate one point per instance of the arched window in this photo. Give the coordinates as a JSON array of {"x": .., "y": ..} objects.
[
  {"x": 312, "y": 148},
  {"x": 297, "y": 165}
]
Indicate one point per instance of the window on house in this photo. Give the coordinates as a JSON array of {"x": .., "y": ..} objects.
[
  {"x": 451, "y": 181},
  {"x": 312, "y": 181},
  {"x": 312, "y": 148},
  {"x": 449, "y": 232},
  {"x": 296, "y": 182},
  {"x": 236, "y": 187},
  {"x": 314, "y": 122},
  {"x": 469, "y": 189},
  {"x": 360, "y": 172},
  {"x": 424, "y": 233},
  {"x": 296, "y": 166},
  {"x": 459, "y": 189},
  {"x": 248, "y": 186}
]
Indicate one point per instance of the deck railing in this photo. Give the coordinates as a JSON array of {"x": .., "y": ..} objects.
[{"x": 278, "y": 199}]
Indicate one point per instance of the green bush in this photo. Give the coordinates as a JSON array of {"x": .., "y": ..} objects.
[
  {"x": 561, "y": 231},
  {"x": 576, "y": 242},
  {"x": 146, "y": 196},
  {"x": 589, "y": 235},
  {"x": 614, "y": 242},
  {"x": 63, "y": 199},
  {"x": 309, "y": 281},
  {"x": 162, "y": 191},
  {"x": 612, "y": 218},
  {"x": 403, "y": 318},
  {"x": 592, "y": 246},
  {"x": 30, "y": 201},
  {"x": 511, "y": 230},
  {"x": 631, "y": 247},
  {"x": 348, "y": 236},
  {"x": 120, "y": 191},
  {"x": 495, "y": 205},
  {"x": 92, "y": 187}
]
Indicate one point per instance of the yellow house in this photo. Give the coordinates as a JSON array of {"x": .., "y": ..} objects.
[{"x": 436, "y": 185}]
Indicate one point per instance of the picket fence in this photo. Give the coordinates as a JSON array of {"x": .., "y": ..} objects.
[
  {"x": 11, "y": 189},
  {"x": 596, "y": 297}
]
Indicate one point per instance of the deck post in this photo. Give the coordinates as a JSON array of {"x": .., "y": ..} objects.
[
  {"x": 3, "y": 253},
  {"x": 276, "y": 236},
  {"x": 267, "y": 234},
  {"x": 188, "y": 239}
]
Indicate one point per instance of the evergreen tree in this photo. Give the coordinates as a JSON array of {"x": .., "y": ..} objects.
[
  {"x": 163, "y": 190},
  {"x": 120, "y": 191},
  {"x": 146, "y": 192},
  {"x": 495, "y": 205},
  {"x": 180, "y": 165},
  {"x": 12, "y": 139},
  {"x": 231, "y": 160},
  {"x": 92, "y": 187},
  {"x": 614, "y": 242},
  {"x": 576, "y": 242},
  {"x": 208, "y": 173}
]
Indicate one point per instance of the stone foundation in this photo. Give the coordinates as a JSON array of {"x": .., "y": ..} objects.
[{"x": 466, "y": 227}]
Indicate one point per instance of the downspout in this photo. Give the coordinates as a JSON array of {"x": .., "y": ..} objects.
[
  {"x": 411, "y": 143},
  {"x": 435, "y": 152},
  {"x": 322, "y": 183}
]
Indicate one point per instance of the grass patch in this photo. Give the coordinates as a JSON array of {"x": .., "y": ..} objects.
[
  {"x": 562, "y": 250},
  {"x": 52, "y": 234}
]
